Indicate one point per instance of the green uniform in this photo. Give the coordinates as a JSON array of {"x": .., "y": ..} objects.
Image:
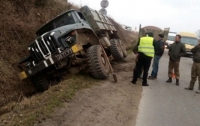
[{"x": 176, "y": 50}]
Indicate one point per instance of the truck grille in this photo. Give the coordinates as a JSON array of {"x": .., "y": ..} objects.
[{"x": 43, "y": 47}]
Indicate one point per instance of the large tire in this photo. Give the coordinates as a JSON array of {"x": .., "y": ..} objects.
[
  {"x": 125, "y": 54},
  {"x": 98, "y": 63},
  {"x": 116, "y": 50},
  {"x": 40, "y": 82}
]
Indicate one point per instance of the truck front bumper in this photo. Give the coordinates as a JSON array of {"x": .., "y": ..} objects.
[{"x": 48, "y": 62}]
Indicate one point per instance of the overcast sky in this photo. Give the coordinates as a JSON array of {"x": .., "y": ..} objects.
[{"x": 179, "y": 15}]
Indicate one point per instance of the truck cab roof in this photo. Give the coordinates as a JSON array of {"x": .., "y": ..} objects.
[
  {"x": 188, "y": 34},
  {"x": 50, "y": 25}
]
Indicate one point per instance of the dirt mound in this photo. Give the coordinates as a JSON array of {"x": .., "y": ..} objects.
[{"x": 126, "y": 36}]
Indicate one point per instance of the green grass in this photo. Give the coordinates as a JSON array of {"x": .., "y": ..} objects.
[{"x": 45, "y": 103}]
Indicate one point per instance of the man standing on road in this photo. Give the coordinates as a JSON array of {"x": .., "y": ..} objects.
[
  {"x": 159, "y": 50},
  {"x": 145, "y": 51},
  {"x": 176, "y": 50},
  {"x": 195, "y": 72}
]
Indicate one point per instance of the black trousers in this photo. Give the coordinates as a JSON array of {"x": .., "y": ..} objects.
[{"x": 145, "y": 62}]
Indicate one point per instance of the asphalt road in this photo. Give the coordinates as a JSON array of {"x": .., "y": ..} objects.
[{"x": 164, "y": 104}]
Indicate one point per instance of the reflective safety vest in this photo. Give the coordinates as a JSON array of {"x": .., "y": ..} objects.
[{"x": 146, "y": 46}]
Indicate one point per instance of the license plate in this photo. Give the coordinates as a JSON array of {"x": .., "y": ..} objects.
[{"x": 64, "y": 54}]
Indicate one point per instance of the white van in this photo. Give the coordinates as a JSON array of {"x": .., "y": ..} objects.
[{"x": 170, "y": 39}]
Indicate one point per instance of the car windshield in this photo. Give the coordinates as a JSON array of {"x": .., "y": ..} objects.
[
  {"x": 171, "y": 38},
  {"x": 65, "y": 19},
  {"x": 189, "y": 40}
]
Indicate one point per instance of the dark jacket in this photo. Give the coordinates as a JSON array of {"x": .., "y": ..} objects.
[
  {"x": 176, "y": 50},
  {"x": 196, "y": 53},
  {"x": 135, "y": 50},
  {"x": 159, "y": 47}
]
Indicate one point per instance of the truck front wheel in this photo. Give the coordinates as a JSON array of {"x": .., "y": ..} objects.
[
  {"x": 116, "y": 50},
  {"x": 98, "y": 63},
  {"x": 40, "y": 82}
]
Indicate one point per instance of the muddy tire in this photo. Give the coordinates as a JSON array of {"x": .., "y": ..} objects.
[
  {"x": 125, "y": 54},
  {"x": 116, "y": 50},
  {"x": 40, "y": 82},
  {"x": 98, "y": 64}
]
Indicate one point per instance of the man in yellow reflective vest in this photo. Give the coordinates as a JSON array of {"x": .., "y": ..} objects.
[{"x": 145, "y": 52}]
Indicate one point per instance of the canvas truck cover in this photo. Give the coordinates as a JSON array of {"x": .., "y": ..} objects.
[
  {"x": 143, "y": 31},
  {"x": 97, "y": 20}
]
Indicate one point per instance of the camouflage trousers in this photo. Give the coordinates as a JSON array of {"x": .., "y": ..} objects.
[{"x": 195, "y": 72}]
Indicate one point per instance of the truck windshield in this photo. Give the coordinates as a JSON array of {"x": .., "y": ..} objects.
[
  {"x": 189, "y": 40},
  {"x": 64, "y": 19},
  {"x": 171, "y": 38}
]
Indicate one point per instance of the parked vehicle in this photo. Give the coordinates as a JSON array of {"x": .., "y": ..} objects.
[
  {"x": 81, "y": 39},
  {"x": 170, "y": 39},
  {"x": 190, "y": 40}
]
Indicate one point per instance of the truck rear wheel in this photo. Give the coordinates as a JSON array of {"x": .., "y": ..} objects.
[
  {"x": 116, "y": 50},
  {"x": 125, "y": 54},
  {"x": 98, "y": 63},
  {"x": 40, "y": 82}
]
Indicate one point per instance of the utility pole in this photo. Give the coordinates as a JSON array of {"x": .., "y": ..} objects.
[{"x": 104, "y": 4}]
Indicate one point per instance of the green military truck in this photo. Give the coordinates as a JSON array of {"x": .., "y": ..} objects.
[{"x": 83, "y": 38}]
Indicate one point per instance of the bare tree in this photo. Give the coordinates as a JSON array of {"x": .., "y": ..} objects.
[{"x": 198, "y": 34}]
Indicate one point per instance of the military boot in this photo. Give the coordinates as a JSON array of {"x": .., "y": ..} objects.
[
  {"x": 190, "y": 87},
  {"x": 177, "y": 82},
  {"x": 169, "y": 80},
  {"x": 198, "y": 92}
]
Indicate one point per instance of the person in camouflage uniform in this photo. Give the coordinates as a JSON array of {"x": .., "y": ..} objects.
[{"x": 195, "y": 71}]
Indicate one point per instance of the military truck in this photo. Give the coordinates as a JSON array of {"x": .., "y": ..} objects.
[
  {"x": 83, "y": 38},
  {"x": 144, "y": 30}
]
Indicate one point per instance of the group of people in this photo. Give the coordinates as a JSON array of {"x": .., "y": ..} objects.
[{"x": 149, "y": 48}]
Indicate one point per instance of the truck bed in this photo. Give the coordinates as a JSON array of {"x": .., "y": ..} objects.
[{"x": 97, "y": 20}]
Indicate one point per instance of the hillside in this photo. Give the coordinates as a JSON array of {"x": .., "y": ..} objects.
[{"x": 18, "y": 23}]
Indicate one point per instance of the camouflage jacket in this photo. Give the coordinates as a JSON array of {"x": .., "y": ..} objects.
[{"x": 196, "y": 53}]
